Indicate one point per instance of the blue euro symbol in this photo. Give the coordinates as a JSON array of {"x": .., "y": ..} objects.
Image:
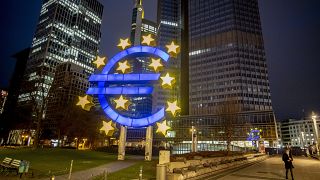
[{"x": 105, "y": 78}]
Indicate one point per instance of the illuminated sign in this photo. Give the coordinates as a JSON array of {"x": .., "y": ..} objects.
[
  {"x": 254, "y": 134},
  {"x": 104, "y": 91}
]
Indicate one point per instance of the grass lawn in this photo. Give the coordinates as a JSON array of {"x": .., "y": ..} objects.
[
  {"x": 57, "y": 161},
  {"x": 148, "y": 169}
]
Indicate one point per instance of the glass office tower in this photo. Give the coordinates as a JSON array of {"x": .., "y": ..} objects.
[
  {"x": 227, "y": 67},
  {"x": 227, "y": 57},
  {"x": 67, "y": 31}
]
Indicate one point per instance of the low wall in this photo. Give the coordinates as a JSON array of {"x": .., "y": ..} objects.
[{"x": 202, "y": 167}]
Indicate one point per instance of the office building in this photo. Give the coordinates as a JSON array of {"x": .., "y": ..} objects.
[
  {"x": 67, "y": 31},
  {"x": 171, "y": 26},
  {"x": 10, "y": 116},
  {"x": 227, "y": 67},
  {"x": 141, "y": 106},
  {"x": 298, "y": 133},
  {"x": 3, "y": 99},
  {"x": 69, "y": 82},
  {"x": 227, "y": 57}
]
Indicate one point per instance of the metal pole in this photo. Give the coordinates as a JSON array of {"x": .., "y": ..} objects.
[
  {"x": 70, "y": 169},
  {"x": 194, "y": 139},
  {"x": 122, "y": 143},
  {"x": 314, "y": 117},
  {"x": 148, "y": 147}
]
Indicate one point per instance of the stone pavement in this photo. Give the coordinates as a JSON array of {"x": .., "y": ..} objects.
[{"x": 273, "y": 168}]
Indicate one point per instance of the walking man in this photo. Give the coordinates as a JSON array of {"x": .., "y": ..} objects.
[{"x": 287, "y": 162}]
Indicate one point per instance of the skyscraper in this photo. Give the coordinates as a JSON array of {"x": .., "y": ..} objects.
[
  {"x": 227, "y": 57},
  {"x": 172, "y": 22},
  {"x": 227, "y": 66},
  {"x": 69, "y": 83},
  {"x": 10, "y": 118},
  {"x": 67, "y": 31},
  {"x": 141, "y": 106}
]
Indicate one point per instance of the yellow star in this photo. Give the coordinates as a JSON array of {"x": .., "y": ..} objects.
[
  {"x": 121, "y": 103},
  {"x": 173, "y": 48},
  {"x": 147, "y": 39},
  {"x": 107, "y": 128},
  {"x": 100, "y": 61},
  {"x": 173, "y": 108},
  {"x": 167, "y": 80},
  {"x": 85, "y": 102},
  {"x": 155, "y": 64},
  {"x": 124, "y": 43},
  {"x": 162, "y": 127},
  {"x": 123, "y": 66}
]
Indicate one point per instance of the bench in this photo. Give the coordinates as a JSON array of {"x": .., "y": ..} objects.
[
  {"x": 15, "y": 164},
  {"x": 6, "y": 162}
]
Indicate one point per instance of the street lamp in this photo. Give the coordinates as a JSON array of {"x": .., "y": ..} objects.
[
  {"x": 314, "y": 119},
  {"x": 194, "y": 139}
]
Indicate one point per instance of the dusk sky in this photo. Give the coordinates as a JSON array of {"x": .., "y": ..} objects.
[{"x": 290, "y": 29}]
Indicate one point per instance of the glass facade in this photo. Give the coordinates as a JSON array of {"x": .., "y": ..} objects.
[
  {"x": 67, "y": 31},
  {"x": 141, "y": 106},
  {"x": 227, "y": 57},
  {"x": 69, "y": 83},
  {"x": 169, "y": 29},
  {"x": 227, "y": 65}
]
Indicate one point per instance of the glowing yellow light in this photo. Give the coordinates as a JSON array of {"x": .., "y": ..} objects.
[
  {"x": 124, "y": 43},
  {"x": 147, "y": 39},
  {"x": 173, "y": 108},
  {"x": 156, "y": 63},
  {"x": 173, "y": 49},
  {"x": 100, "y": 61},
  {"x": 162, "y": 127},
  {"x": 167, "y": 80},
  {"x": 85, "y": 102},
  {"x": 121, "y": 103},
  {"x": 123, "y": 67},
  {"x": 107, "y": 128}
]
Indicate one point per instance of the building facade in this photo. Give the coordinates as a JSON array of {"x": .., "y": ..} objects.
[
  {"x": 212, "y": 133},
  {"x": 298, "y": 133},
  {"x": 141, "y": 106},
  {"x": 227, "y": 56},
  {"x": 67, "y": 31},
  {"x": 70, "y": 81},
  {"x": 227, "y": 65},
  {"x": 3, "y": 100},
  {"x": 10, "y": 117},
  {"x": 169, "y": 20}
]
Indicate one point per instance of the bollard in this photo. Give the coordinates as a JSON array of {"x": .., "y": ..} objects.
[
  {"x": 140, "y": 173},
  {"x": 70, "y": 169},
  {"x": 161, "y": 171},
  {"x": 105, "y": 174}
]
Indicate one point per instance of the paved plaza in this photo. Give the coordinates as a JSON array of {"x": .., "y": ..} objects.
[{"x": 273, "y": 168}]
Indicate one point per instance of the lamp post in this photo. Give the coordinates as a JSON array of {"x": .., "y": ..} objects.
[
  {"x": 302, "y": 139},
  {"x": 194, "y": 139},
  {"x": 314, "y": 119}
]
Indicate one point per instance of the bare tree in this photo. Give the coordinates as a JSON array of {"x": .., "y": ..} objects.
[{"x": 227, "y": 112}]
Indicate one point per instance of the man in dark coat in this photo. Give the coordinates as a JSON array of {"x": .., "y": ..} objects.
[{"x": 287, "y": 162}]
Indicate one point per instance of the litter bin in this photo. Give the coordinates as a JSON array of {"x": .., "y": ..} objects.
[{"x": 24, "y": 167}]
